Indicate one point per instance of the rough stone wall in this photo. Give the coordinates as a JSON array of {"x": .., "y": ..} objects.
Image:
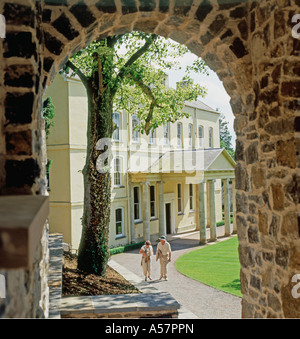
[
  {"x": 268, "y": 165},
  {"x": 27, "y": 291},
  {"x": 249, "y": 45},
  {"x": 22, "y": 147}
]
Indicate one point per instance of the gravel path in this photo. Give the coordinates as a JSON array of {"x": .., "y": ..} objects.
[{"x": 203, "y": 301}]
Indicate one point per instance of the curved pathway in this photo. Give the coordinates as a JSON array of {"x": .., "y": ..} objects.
[{"x": 201, "y": 300}]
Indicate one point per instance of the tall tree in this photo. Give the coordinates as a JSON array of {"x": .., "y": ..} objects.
[
  {"x": 225, "y": 137},
  {"x": 125, "y": 80}
]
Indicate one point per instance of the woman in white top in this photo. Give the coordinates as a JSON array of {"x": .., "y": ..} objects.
[{"x": 146, "y": 252}]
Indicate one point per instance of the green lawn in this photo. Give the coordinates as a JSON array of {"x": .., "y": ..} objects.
[{"x": 215, "y": 265}]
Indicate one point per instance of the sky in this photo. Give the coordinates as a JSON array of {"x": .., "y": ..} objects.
[{"x": 216, "y": 97}]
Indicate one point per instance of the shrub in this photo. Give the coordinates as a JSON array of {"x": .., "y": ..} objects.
[{"x": 126, "y": 248}]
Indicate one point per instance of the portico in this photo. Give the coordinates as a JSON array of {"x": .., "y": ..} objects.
[{"x": 186, "y": 193}]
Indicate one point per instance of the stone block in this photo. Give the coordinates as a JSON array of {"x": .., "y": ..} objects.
[
  {"x": 18, "y": 108},
  {"x": 286, "y": 153},
  {"x": 19, "y": 76},
  {"x": 83, "y": 14},
  {"x": 19, "y": 44},
  {"x": 203, "y": 10},
  {"x": 62, "y": 24},
  {"x": 19, "y": 143},
  {"x": 21, "y": 173},
  {"x": 16, "y": 14},
  {"x": 278, "y": 196}
]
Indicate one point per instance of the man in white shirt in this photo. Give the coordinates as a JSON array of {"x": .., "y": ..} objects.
[{"x": 163, "y": 253}]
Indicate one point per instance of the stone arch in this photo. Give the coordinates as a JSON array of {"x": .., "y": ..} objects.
[{"x": 248, "y": 44}]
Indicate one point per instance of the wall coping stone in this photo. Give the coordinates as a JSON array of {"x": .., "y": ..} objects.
[{"x": 22, "y": 219}]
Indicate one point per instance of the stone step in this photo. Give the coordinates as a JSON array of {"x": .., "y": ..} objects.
[{"x": 136, "y": 305}]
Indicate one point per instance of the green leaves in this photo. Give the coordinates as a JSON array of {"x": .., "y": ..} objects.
[
  {"x": 48, "y": 114},
  {"x": 133, "y": 65}
]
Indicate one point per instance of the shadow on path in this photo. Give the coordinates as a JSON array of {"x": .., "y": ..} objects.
[{"x": 204, "y": 301}]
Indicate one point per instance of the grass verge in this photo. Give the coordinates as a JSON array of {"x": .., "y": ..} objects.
[{"x": 214, "y": 265}]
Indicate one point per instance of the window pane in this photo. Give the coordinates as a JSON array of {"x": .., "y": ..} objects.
[
  {"x": 179, "y": 197},
  {"x": 117, "y": 171},
  {"x": 200, "y": 136},
  {"x": 116, "y": 120},
  {"x": 119, "y": 221},
  {"x": 191, "y": 197},
  {"x": 179, "y": 190},
  {"x": 152, "y": 137},
  {"x": 117, "y": 179},
  {"x": 210, "y": 137},
  {"x": 152, "y": 201},
  {"x": 135, "y": 134},
  {"x": 136, "y": 212},
  {"x": 166, "y": 134},
  {"x": 152, "y": 193},
  {"x": 118, "y": 215},
  {"x": 136, "y": 194},
  {"x": 190, "y": 135},
  {"x": 179, "y": 132},
  {"x": 136, "y": 200},
  {"x": 152, "y": 209},
  {"x": 118, "y": 228}
]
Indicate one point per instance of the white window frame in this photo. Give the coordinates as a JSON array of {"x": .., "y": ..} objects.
[
  {"x": 152, "y": 137},
  {"x": 179, "y": 134},
  {"x": 166, "y": 130},
  {"x": 117, "y": 172},
  {"x": 200, "y": 136},
  {"x": 135, "y": 134},
  {"x": 121, "y": 222},
  {"x": 191, "y": 197},
  {"x": 152, "y": 202},
  {"x": 190, "y": 135},
  {"x": 117, "y": 132},
  {"x": 138, "y": 204},
  {"x": 179, "y": 199},
  {"x": 211, "y": 137}
]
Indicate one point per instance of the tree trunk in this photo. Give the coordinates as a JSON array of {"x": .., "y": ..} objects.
[{"x": 93, "y": 250}]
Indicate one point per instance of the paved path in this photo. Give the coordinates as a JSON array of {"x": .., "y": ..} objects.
[{"x": 201, "y": 300}]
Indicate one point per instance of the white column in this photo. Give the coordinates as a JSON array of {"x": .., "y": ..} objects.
[
  {"x": 212, "y": 211},
  {"x": 146, "y": 214},
  {"x": 132, "y": 224},
  {"x": 234, "y": 231},
  {"x": 162, "y": 226},
  {"x": 207, "y": 204},
  {"x": 226, "y": 207},
  {"x": 202, "y": 213}
]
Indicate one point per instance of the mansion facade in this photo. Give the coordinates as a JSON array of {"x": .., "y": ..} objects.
[{"x": 168, "y": 182}]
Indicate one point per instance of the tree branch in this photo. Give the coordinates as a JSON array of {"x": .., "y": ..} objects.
[
  {"x": 147, "y": 90},
  {"x": 136, "y": 56},
  {"x": 82, "y": 77}
]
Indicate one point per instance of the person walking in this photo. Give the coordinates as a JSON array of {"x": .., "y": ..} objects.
[
  {"x": 163, "y": 253},
  {"x": 146, "y": 251}
]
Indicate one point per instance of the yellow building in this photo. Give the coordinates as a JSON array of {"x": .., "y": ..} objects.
[{"x": 167, "y": 182}]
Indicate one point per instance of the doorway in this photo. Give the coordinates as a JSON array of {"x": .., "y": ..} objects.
[{"x": 168, "y": 218}]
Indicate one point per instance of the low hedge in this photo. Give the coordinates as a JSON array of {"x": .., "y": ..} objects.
[
  {"x": 221, "y": 223},
  {"x": 125, "y": 248}
]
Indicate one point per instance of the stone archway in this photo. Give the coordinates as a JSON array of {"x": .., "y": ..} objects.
[{"x": 248, "y": 44}]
